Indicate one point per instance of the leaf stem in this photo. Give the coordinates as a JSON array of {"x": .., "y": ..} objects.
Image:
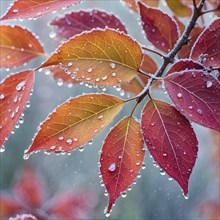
[
  {"x": 153, "y": 51},
  {"x": 169, "y": 58}
]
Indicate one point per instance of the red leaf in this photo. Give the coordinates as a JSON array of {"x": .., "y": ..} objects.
[
  {"x": 197, "y": 95},
  {"x": 17, "y": 46},
  {"x": 207, "y": 47},
  {"x": 171, "y": 140},
  {"x": 184, "y": 65},
  {"x": 160, "y": 29},
  {"x": 73, "y": 205},
  {"x": 23, "y": 217},
  {"x": 121, "y": 158},
  {"x": 77, "y": 22},
  {"x": 35, "y": 8},
  {"x": 148, "y": 65},
  {"x": 29, "y": 189},
  {"x": 8, "y": 206},
  {"x": 14, "y": 93}
]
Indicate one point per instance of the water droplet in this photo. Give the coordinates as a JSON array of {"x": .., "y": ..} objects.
[
  {"x": 106, "y": 193},
  {"x": 100, "y": 117},
  {"x": 186, "y": 196},
  {"x": 20, "y": 86},
  {"x": 28, "y": 104},
  {"x": 2, "y": 149},
  {"x": 90, "y": 142},
  {"x": 52, "y": 147},
  {"x": 89, "y": 70},
  {"x": 15, "y": 10},
  {"x": 124, "y": 194},
  {"x": 69, "y": 141},
  {"x": 170, "y": 178},
  {"x": 114, "y": 74},
  {"x": 21, "y": 120},
  {"x": 70, "y": 64},
  {"x": 26, "y": 156},
  {"x": 75, "y": 139},
  {"x": 139, "y": 175},
  {"x": 52, "y": 35},
  {"x": 81, "y": 149},
  {"x": 179, "y": 94},
  {"x": 112, "y": 65},
  {"x": 143, "y": 166},
  {"x": 2, "y": 96},
  {"x": 208, "y": 84},
  {"x": 104, "y": 77},
  {"x": 59, "y": 82},
  {"x": 60, "y": 138},
  {"x": 190, "y": 107},
  {"x": 199, "y": 111},
  {"x": 112, "y": 167},
  {"x": 162, "y": 172},
  {"x": 164, "y": 154}
]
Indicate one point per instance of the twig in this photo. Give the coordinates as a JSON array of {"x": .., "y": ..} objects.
[
  {"x": 170, "y": 57},
  {"x": 153, "y": 51}
]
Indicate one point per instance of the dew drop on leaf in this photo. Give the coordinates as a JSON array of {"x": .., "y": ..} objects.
[
  {"x": 208, "y": 84},
  {"x": 20, "y": 86},
  {"x": 179, "y": 94},
  {"x": 112, "y": 167}
]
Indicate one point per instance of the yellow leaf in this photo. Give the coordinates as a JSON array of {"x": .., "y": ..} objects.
[
  {"x": 104, "y": 57},
  {"x": 75, "y": 122}
]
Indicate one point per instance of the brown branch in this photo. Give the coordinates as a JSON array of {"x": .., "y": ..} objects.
[{"x": 170, "y": 57}]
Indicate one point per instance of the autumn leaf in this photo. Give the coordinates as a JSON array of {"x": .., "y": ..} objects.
[
  {"x": 136, "y": 85},
  {"x": 8, "y": 206},
  {"x": 75, "y": 122},
  {"x": 14, "y": 93},
  {"x": 18, "y": 46},
  {"x": 77, "y": 22},
  {"x": 207, "y": 47},
  {"x": 184, "y": 64},
  {"x": 121, "y": 158},
  {"x": 132, "y": 4},
  {"x": 103, "y": 57},
  {"x": 186, "y": 49},
  {"x": 160, "y": 29},
  {"x": 59, "y": 73},
  {"x": 35, "y": 8},
  {"x": 197, "y": 95},
  {"x": 179, "y": 8},
  {"x": 170, "y": 140},
  {"x": 23, "y": 217},
  {"x": 29, "y": 188}
]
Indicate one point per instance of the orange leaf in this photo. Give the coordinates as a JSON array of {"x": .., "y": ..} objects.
[
  {"x": 14, "y": 93},
  {"x": 121, "y": 158},
  {"x": 35, "y": 8},
  {"x": 59, "y": 74},
  {"x": 104, "y": 57},
  {"x": 179, "y": 8},
  {"x": 137, "y": 84},
  {"x": 75, "y": 122},
  {"x": 17, "y": 46},
  {"x": 132, "y": 4}
]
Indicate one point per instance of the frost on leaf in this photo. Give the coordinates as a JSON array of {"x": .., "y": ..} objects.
[
  {"x": 18, "y": 46},
  {"x": 207, "y": 47},
  {"x": 14, "y": 93},
  {"x": 121, "y": 158},
  {"x": 75, "y": 122},
  {"x": 77, "y": 22},
  {"x": 185, "y": 64},
  {"x": 23, "y": 217},
  {"x": 170, "y": 140},
  {"x": 160, "y": 29},
  {"x": 200, "y": 96},
  {"x": 103, "y": 57},
  {"x": 24, "y": 9}
]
